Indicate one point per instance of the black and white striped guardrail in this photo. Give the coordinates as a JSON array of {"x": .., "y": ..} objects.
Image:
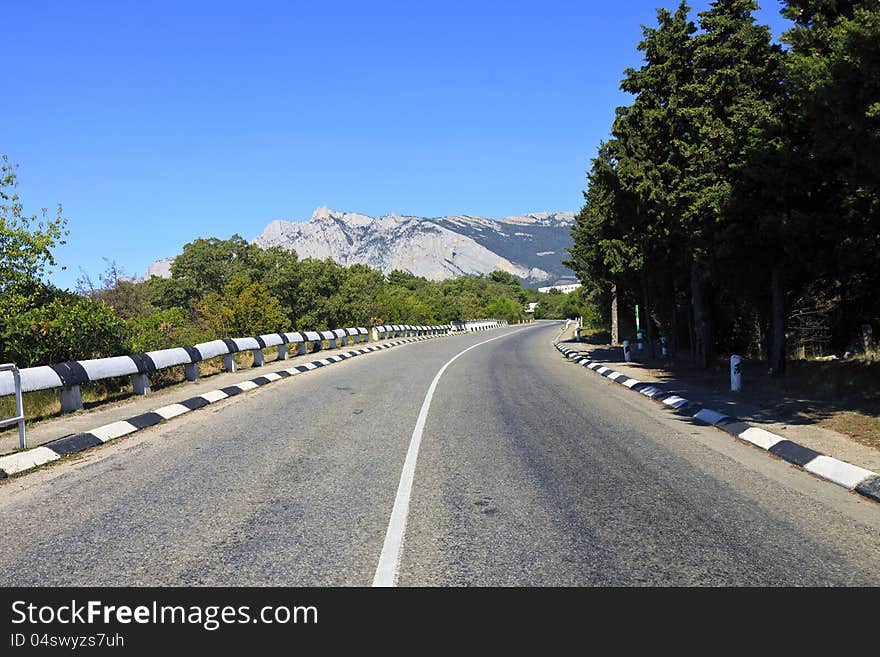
[
  {"x": 478, "y": 324},
  {"x": 862, "y": 481},
  {"x": 68, "y": 377},
  {"x": 52, "y": 451},
  {"x": 404, "y": 330}
]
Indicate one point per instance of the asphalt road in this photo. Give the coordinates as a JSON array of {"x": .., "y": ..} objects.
[{"x": 531, "y": 471}]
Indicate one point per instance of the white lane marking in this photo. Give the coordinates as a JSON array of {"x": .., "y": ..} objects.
[{"x": 389, "y": 560}]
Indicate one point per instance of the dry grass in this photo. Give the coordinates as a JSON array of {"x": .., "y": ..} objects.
[
  {"x": 840, "y": 395},
  {"x": 862, "y": 428}
]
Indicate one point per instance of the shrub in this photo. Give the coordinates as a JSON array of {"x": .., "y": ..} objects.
[
  {"x": 67, "y": 327},
  {"x": 162, "y": 329}
]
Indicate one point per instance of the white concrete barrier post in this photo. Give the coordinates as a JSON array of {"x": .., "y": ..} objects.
[
  {"x": 639, "y": 338},
  {"x": 141, "y": 384},
  {"x": 191, "y": 371},
  {"x": 229, "y": 362},
  {"x": 627, "y": 353},
  {"x": 282, "y": 352},
  {"x": 258, "y": 357},
  {"x": 663, "y": 351},
  {"x": 71, "y": 399},
  {"x": 735, "y": 373}
]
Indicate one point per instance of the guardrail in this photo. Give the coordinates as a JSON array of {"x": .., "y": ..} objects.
[
  {"x": 68, "y": 377},
  {"x": 478, "y": 324},
  {"x": 404, "y": 330},
  {"x": 19, "y": 404}
]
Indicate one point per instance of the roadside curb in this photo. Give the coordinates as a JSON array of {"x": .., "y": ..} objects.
[
  {"x": 19, "y": 462},
  {"x": 862, "y": 481}
]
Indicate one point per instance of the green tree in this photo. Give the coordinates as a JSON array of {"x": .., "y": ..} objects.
[
  {"x": 26, "y": 241},
  {"x": 67, "y": 327},
  {"x": 207, "y": 265},
  {"x": 504, "y": 308},
  {"x": 733, "y": 95},
  {"x": 356, "y": 299},
  {"x": 833, "y": 83},
  {"x": 163, "y": 329},
  {"x": 243, "y": 308}
]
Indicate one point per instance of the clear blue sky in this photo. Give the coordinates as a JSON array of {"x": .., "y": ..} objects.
[{"x": 158, "y": 122}]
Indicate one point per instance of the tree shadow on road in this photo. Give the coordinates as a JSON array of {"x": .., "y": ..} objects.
[{"x": 839, "y": 395}]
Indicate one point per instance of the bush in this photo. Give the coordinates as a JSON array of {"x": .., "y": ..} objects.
[
  {"x": 67, "y": 327},
  {"x": 244, "y": 308},
  {"x": 163, "y": 329}
]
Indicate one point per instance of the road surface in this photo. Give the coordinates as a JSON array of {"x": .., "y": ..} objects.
[{"x": 529, "y": 471}]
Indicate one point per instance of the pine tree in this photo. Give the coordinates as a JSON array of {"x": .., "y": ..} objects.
[
  {"x": 731, "y": 102},
  {"x": 833, "y": 82}
]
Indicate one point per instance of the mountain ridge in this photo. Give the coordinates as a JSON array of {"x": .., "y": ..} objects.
[{"x": 530, "y": 246}]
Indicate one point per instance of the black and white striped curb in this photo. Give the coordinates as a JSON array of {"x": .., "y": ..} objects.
[
  {"x": 862, "y": 481},
  {"x": 52, "y": 451}
]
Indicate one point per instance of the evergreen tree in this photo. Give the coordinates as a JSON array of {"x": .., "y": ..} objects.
[{"x": 833, "y": 82}]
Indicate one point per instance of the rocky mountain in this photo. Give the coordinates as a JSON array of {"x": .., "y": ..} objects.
[
  {"x": 160, "y": 268},
  {"x": 531, "y": 246}
]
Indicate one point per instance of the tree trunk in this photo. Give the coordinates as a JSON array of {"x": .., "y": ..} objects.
[
  {"x": 649, "y": 331},
  {"x": 776, "y": 361},
  {"x": 672, "y": 340},
  {"x": 615, "y": 327},
  {"x": 701, "y": 346},
  {"x": 692, "y": 341}
]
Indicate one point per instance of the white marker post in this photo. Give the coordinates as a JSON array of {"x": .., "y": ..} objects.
[
  {"x": 627, "y": 354},
  {"x": 735, "y": 373}
]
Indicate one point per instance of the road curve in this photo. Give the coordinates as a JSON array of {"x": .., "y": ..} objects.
[{"x": 530, "y": 471}]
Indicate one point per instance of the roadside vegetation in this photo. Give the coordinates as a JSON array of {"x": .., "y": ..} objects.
[
  {"x": 218, "y": 288},
  {"x": 737, "y": 200}
]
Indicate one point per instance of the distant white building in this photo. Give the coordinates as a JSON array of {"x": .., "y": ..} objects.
[
  {"x": 531, "y": 307},
  {"x": 565, "y": 288}
]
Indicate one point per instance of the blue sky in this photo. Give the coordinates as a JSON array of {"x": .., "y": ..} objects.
[{"x": 156, "y": 123}]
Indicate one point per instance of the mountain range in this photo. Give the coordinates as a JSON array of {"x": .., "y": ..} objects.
[{"x": 530, "y": 246}]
